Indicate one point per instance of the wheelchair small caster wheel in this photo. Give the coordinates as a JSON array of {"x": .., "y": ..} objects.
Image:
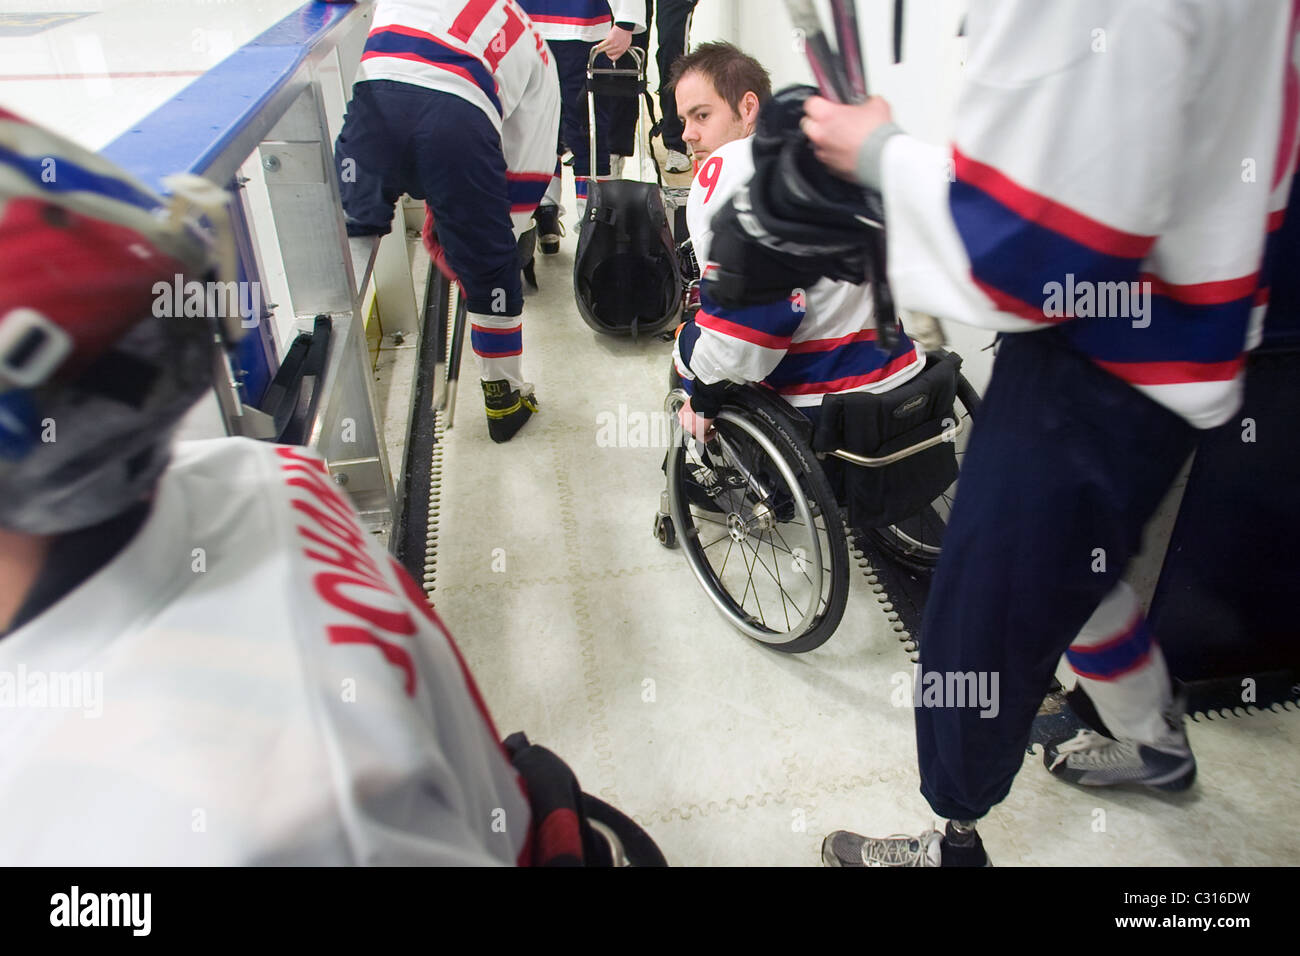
[{"x": 665, "y": 532}]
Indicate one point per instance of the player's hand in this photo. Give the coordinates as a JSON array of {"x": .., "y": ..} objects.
[
  {"x": 616, "y": 44},
  {"x": 837, "y": 132},
  {"x": 697, "y": 425}
]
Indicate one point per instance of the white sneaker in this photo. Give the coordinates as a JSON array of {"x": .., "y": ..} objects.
[{"x": 678, "y": 162}]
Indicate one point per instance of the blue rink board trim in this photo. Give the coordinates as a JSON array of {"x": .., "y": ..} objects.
[{"x": 196, "y": 125}]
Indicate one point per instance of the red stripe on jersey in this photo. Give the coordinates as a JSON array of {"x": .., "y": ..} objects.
[
  {"x": 742, "y": 332},
  {"x": 1261, "y": 296},
  {"x": 1276, "y": 218},
  {"x": 1050, "y": 214},
  {"x": 853, "y": 381},
  {"x": 421, "y": 601},
  {"x": 474, "y": 13},
  {"x": 1009, "y": 303},
  {"x": 1173, "y": 373},
  {"x": 449, "y": 67},
  {"x": 479, "y": 328},
  {"x": 827, "y": 345},
  {"x": 1205, "y": 293},
  {"x": 505, "y": 39},
  {"x": 572, "y": 21},
  {"x": 530, "y": 177}
]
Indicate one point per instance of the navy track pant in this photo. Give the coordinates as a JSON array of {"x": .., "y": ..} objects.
[
  {"x": 400, "y": 138},
  {"x": 1064, "y": 459}
]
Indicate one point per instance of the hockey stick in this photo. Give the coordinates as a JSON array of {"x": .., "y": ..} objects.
[
  {"x": 845, "y": 15},
  {"x": 826, "y": 66}
]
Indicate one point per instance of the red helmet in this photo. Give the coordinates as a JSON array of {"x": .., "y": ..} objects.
[{"x": 92, "y": 378}]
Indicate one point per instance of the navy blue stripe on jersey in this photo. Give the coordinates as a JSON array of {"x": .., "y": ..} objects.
[
  {"x": 576, "y": 12},
  {"x": 1178, "y": 332},
  {"x": 686, "y": 339},
  {"x": 769, "y": 326},
  {"x": 53, "y": 174},
  {"x": 411, "y": 45},
  {"x": 1014, "y": 260}
]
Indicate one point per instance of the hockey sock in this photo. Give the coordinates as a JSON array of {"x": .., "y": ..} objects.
[{"x": 498, "y": 344}]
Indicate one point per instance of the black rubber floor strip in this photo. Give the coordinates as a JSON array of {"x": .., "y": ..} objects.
[{"x": 413, "y": 528}]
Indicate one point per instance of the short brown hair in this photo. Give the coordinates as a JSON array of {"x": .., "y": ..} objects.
[{"x": 732, "y": 72}]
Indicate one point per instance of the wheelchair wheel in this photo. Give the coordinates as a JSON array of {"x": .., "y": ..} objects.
[
  {"x": 760, "y": 526},
  {"x": 917, "y": 541}
]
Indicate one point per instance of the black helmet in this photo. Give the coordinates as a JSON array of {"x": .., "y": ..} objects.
[{"x": 795, "y": 222}]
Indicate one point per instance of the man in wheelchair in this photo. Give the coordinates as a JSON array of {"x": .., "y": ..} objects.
[{"x": 820, "y": 341}]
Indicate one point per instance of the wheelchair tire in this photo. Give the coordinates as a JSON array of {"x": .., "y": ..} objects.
[
  {"x": 916, "y": 542},
  {"x": 637, "y": 847},
  {"x": 772, "y": 481}
]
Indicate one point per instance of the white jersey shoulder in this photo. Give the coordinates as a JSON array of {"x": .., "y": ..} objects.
[
  {"x": 251, "y": 681},
  {"x": 719, "y": 178}
]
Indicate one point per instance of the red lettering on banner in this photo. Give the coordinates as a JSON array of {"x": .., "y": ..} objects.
[
  {"x": 292, "y": 454},
  {"x": 395, "y": 655},
  {"x": 341, "y": 530},
  {"x": 325, "y": 495},
  {"x": 328, "y": 586},
  {"x": 342, "y": 558}
]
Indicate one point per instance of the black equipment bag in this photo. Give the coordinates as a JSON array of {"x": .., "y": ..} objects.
[
  {"x": 626, "y": 276},
  {"x": 877, "y": 425}
]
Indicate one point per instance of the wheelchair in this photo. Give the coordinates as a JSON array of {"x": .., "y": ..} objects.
[{"x": 761, "y": 518}]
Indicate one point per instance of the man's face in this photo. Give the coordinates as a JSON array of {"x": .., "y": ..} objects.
[{"x": 709, "y": 121}]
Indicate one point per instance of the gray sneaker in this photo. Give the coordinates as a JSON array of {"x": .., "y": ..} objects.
[
  {"x": 843, "y": 848},
  {"x": 1091, "y": 760}
]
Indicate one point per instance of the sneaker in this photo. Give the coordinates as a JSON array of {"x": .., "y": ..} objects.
[
  {"x": 549, "y": 228},
  {"x": 704, "y": 489},
  {"x": 1091, "y": 760},
  {"x": 508, "y": 409},
  {"x": 843, "y": 848},
  {"x": 678, "y": 162}
]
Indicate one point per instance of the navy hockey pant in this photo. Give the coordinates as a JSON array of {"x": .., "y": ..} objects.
[
  {"x": 571, "y": 63},
  {"x": 1064, "y": 459},
  {"x": 674, "y": 27},
  {"x": 402, "y": 138},
  {"x": 623, "y": 111}
]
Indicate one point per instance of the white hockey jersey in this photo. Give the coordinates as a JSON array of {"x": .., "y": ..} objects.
[
  {"x": 252, "y": 680},
  {"x": 489, "y": 53},
  {"x": 587, "y": 20},
  {"x": 813, "y": 345},
  {"x": 1118, "y": 168}
]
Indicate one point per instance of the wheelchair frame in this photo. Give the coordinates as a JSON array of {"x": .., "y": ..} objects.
[{"x": 813, "y": 630}]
